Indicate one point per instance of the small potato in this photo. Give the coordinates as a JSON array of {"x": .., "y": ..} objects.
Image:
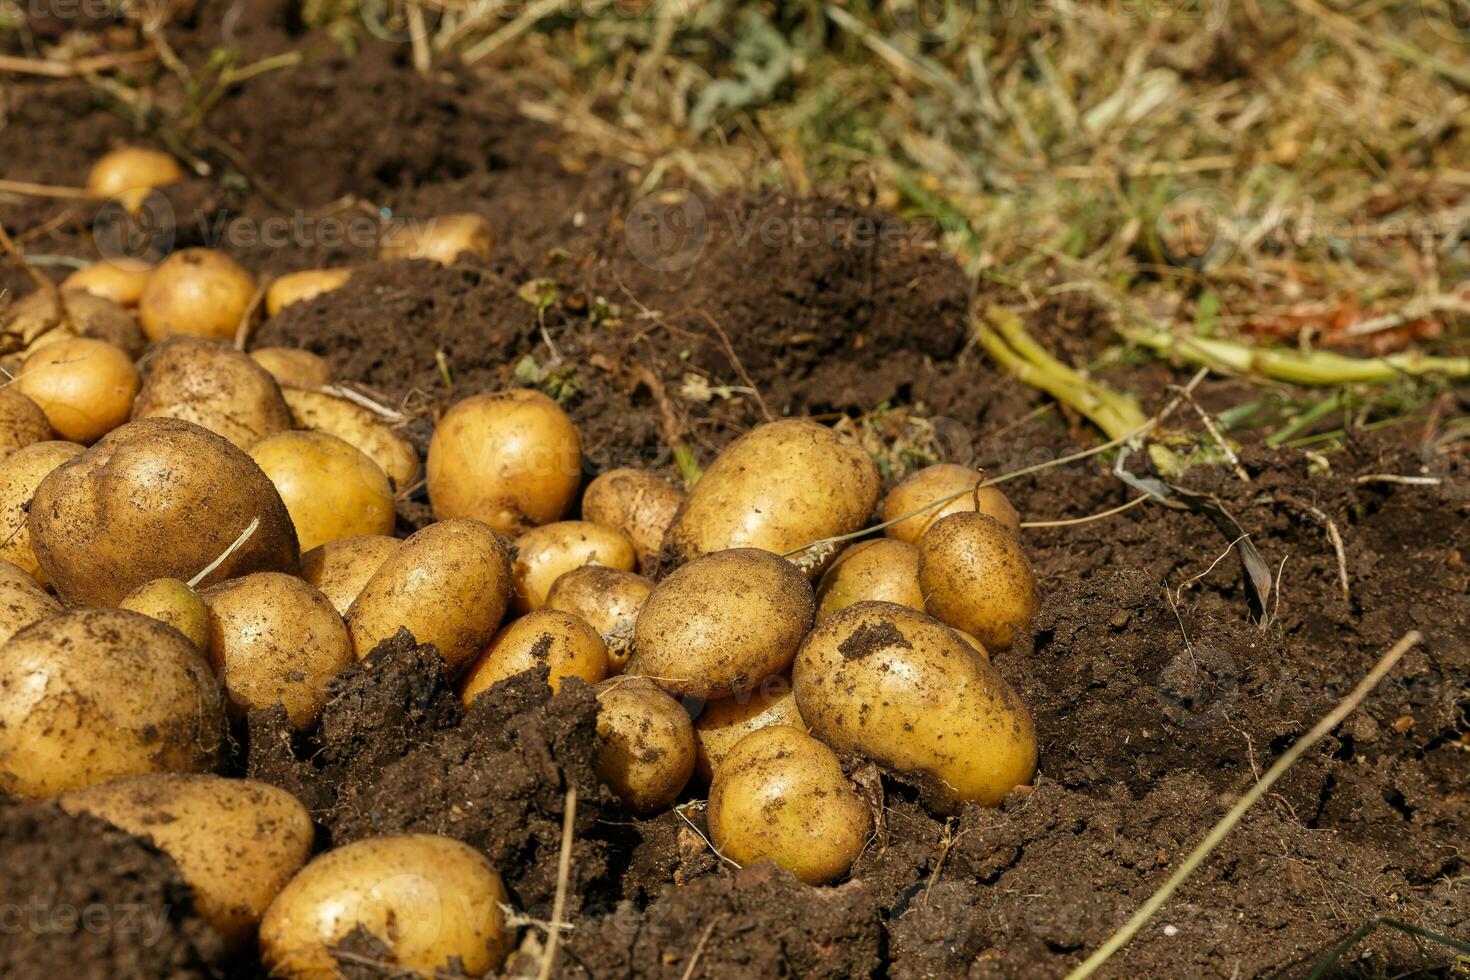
[
  {"x": 976, "y": 578},
  {"x": 781, "y": 796},
  {"x": 638, "y": 503},
  {"x": 339, "y": 569},
  {"x": 722, "y": 623},
  {"x": 89, "y": 695},
  {"x": 645, "y": 744},
  {"x": 559, "y": 641},
  {"x": 448, "y": 584},
  {"x": 22, "y": 600},
  {"x": 20, "y": 474},
  {"x": 85, "y": 387},
  {"x": 883, "y": 569},
  {"x": 293, "y": 365},
  {"x": 356, "y": 425},
  {"x": 607, "y": 598},
  {"x": 237, "y": 842},
  {"x": 906, "y": 691},
  {"x": 22, "y": 423},
  {"x": 433, "y": 902},
  {"x": 198, "y": 292},
  {"x": 298, "y": 287},
  {"x": 213, "y": 385},
  {"x": 975, "y": 644},
  {"x": 937, "y": 481},
  {"x": 171, "y": 601},
  {"x": 440, "y": 239},
  {"x": 725, "y": 722},
  {"x": 544, "y": 554},
  {"x": 512, "y": 460},
  {"x": 129, "y": 172},
  {"x": 330, "y": 489},
  {"x": 33, "y": 322},
  {"x": 120, "y": 281}
]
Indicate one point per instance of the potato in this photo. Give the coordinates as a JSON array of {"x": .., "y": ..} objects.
[
  {"x": 22, "y": 423},
  {"x": 975, "y": 644},
  {"x": 725, "y": 722},
  {"x": 85, "y": 387},
  {"x": 638, "y": 503},
  {"x": 198, "y": 292},
  {"x": 559, "y": 641},
  {"x": 293, "y": 365},
  {"x": 89, "y": 695},
  {"x": 118, "y": 280},
  {"x": 213, "y": 385},
  {"x": 275, "y": 639},
  {"x": 440, "y": 239},
  {"x": 883, "y": 569},
  {"x": 129, "y": 172},
  {"x": 906, "y": 691},
  {"x": 20, "y": 474},
  {"x": 339, "y": 569},
  {"x": 430, "y": 901},
  {"x": 159, "y": 498},
  {"x": 331, "y": 489},
  {"x": 361, "y": 428},
  {"x": 722, "y": 623},
  {"x": 781, "y": 796},
  {"x": 22, "y": 600},
  {"x": 976, "y": 578},
  {"x": 237, "y": 842},
  {"x": 298, "y": 287},
  {"x": 544, "y": 554},
  {"x": 937, "y": 481},
  {"x": 33, "y": 322},
  {"x": 171, "y": 601},
  {"x": 645, "y": 744},
  {"x": 607, "y": 598},
  {"x": 512, "y": 460},
  {"x": 780, "y": 486},
  {"x": 448, "y": 584}
]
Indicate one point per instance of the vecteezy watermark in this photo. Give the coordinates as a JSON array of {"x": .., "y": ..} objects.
[
  {"x": 40, "y": 916},
  {"x": 1199, "y": 687},
  {"x": 404, "y": 22},
  {"x": 667, "y": 230},
  {"x": 15, "y": 11},
  {"x": 135, "y": 231}
]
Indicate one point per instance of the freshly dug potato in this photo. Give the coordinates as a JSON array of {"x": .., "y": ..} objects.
[
  {"x": 607, "y": 598},
  {"x": 129, "y": 172},
  {"x": 645, "y": 743},
  {"x": 22, "y": 600},
  {"x": 511, "y": 459},
  {"x": 85, "y": 387},
  {"x": 440, "y": 239},
  {"x": 430, "y": 901},
  {"x": 22, "y": 423},
  {"x": 976, "y": 578},
  {"x": 883, "y": 569},
  {"x": 330, "y": 489},
  {"x": 339, "y": 569},
  {"x": 781, "y": 796},
  {"x": 275, "y": 639},
  {"x": 89, "y": 695},
  {"x": 297, "y": 287},
  {"x": 33, "y": 321},
  {"x": 20, "y": 474},
  {"x": 158, "y": 498},
  {"x": 119, "y": 280},
  {"x": 237, "y": 842},
  {"x": 559, "y": 641},
  {"x": 778, "y": 487},
  {"x": 725, "y": 722},
  {"x": 940, "y": 480},
  {"x": 448, "y": 584},
  {"x": 906, "y": 691},
  {"x": 171, "y": 601},
  {"x": 356, "y": 425},
  {"x": 213, "y": 385},
  {"x": 198, "y": 292},
  {"x": 293, "y": 365},
  {"x": 544, "y": 554},
  {"x": 636, "y": 502},
  {"x": 723, "y": 623},
  {"x": 975, "y": 644}
]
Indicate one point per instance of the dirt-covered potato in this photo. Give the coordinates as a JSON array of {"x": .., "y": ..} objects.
[
  {"x": 723, "y": 623},
  {"x": 22, "y": 423},
  {"x": 512, "y": 460},
  {"x": 781, "y": 796},
  {"x": 339, "y": 569},
  {"x": 297, "y": 287},
  {"x": 976, "y": 578},
  {"x": 171, "y": 601},
  {"x": 89, "y": 695},
  {"x": 448, "y": 585},
  {"x": 883, "y": 569},
  {"x": 558, "y": 641},
  {"x": 779, "y": 487},
  {"x": 725, "y": 722},
  {"x": 128, "y": 172},
  {"x": 330, "y": 489},
  {"x": 158, "y": 498},
  {"x": 198, "y": 292},
  {"x": 33, "y": 321},
  {"x": 607, "y": 598},
  {"x": 22, "y": 600},
  {"x": 119, "y": 281},
  {"x": 20, "y": 474},
  {"x": 86, "y": 387},
  {"x": 359, "y": 427},
  {"x": 905, "y": 690},
  {"x": 213, "y": 385},
  {"x": 645, "y": 743},
  {"x": 636, "y": 502},
  {"x": 544, "y": 554},
  {"x": 440, "y": 239},
  {"x": 293, "y": 365},
  {"x": 433, "y": 902},
  {"x": 938, "y": 481},
  {"x": 236, "y": 841}
]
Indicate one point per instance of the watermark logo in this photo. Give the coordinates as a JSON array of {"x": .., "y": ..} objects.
[
  {"x": 667, "y": 230},
  {"x": 1199, "y": 687},
  {"x": 133, "y": 229},
  {"x": 930, "y": 21},
  {"x": 1197, "y": 229},
  {"x": 396, "y": 20}
]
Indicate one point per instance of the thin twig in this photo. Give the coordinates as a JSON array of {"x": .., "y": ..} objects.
[
  {"x": 699, "y": 947},
  {"x": 1413, "y": 481},
  {"x": 1334, "y": 537},
  {"x": 234, "y": 547},
  {"x": 563, "y": 872},
  {"x": 31, "y": 189},
  {"x": 1090, "y": 517},
  {"x": 738, "y": 364},
  {"x": 1214, "y": 432}
]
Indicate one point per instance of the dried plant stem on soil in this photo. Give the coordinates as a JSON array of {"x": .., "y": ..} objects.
[
  {"x": 31, "y": 189},
  {"x": 563, "y": 872}
]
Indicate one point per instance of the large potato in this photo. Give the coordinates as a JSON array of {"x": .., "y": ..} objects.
[
  {"x": 216, "y": 386},
  {"x": 236, "y": 841},
  {"x": 198, "y": 292},
  {"x": 20, "y": 474},
  {"x": 885, "y": 569},
  {"x": 89, "y": 695},
  {"x": 544, "y": 554},
  {"x": 976, "y": 578},
  {"x": 22, "y": 423},
  {"x": 607, "y": 598},
  {"x": 158, "y": 498},
  {"x": 86, "y": 387},
  {"x": 331, "y": 489},
  {"x": 905, "y": 690},
  {"x": 33, "y": 322},
  {"x": 725, "y": 722},
  {"x": 440, "y": 239},
  {"x": 120, "y": 281},
  {"x": 645, "y": 743},
  {"x": 339, "y": 569},
  {"x": 565, "y": 645},
  {"x": 932, "y": 483},
  {"x": 722, "y": 623},
  {"x": 294, "y": 366},
  {"x": 636, "y": 502},
  {"x": 22, "y": 600},
  {"x": 357, "y": 426},
  {"x": 174, "y": 603},
  {"x": 298, "y": 287}
]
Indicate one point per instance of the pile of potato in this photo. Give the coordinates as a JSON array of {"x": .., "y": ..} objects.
[{"x": 190, "y": 532}]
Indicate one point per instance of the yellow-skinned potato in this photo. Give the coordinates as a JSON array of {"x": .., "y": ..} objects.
[
  {"x": 197, "y": 292},
  {"x": 120, "y": 281},
  {"x": 339, "y": 569},
  {"x": 213, "y": 385},
  {"x": 86, "y": 387},
  {"x": 905, "y": 690},
  {"x": 358, "y": 426},
  {"x": 725, "y": 722},
  {"x": 544, "y": 554},
  {"x": 22, "y": 600},
  {"x": 273, "y": 638},
  {"x": 559, "y": 641},
  {"x": 440, "y": 239},
  {"x": 159, "y": 498},
  {"x": 779, "y": 487},
  {"x": 22, "y": 423},
  {"x": 975, "y": 644},
  {"x": 781, "y": 796},
  {"x": 237, "y": 842},
  {"x": 607, "y": 598},
  {"x": 937, "y": 481},
  {"x": 448, "y": 584},
  {"x": 331, "y": 489},
  {"x": 884, "y": 569},
  {"x": 976, "y": 578},
  {"x": 722, "y": 623},
  {"x": 511, "y": 459},
  {"x": 33, "y": 322},
  {"x": 298, "y": 287},
  {"x": 130, "y": 171},
  {"x": 20, "y": 474},
  {"x": 90, "y": 695},
  {"x": 171, "y": 601},
  {"x": 293, "y": 365},
  {"x": 636, "y": 502},
  {"x": 428, "y": 899},
  {"x": 645, "y": 743}
]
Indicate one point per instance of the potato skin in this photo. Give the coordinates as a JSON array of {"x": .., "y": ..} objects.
[
  {"x": 198, "y": 292},
  {"x": 976, "y": 578},
  {"x": 20, "y": 474},
  {"x": 559, "y": 641},
  {"x": 358, "y": 427},
  {"x": 636, "y": 502},
  {"x": 645, "y": 750},
  {"x": 607, "y": 598},
  {"x": 236, "y": 841},
  {"x": 89, "y": 695},
  {"x": 884, "y": 569},
  {"x": 120, "y": 282},
  {"x": 22, "y": 423},
  {"x": 297, "y": 287},
  {"x": 293, "y": 365},
  {"x": 22, "y": 600},
  {"x": 175, "y": 604},
  {"x": 339, "y": 569},
  {"x": 544, "y": 554},
  {"x": 33, "y": 322},
  {"x": 158, "y": 498},
  {"x": 86, "y": 387},
  {"x": 903, "y": 689},
  {"x": 725, "y": 722},
  {"x": 721, "y": 624},
  {"x": 934, "y": 482},
  {"x": 215, "y": 386},
  {"x": 331, "y": 489}
]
